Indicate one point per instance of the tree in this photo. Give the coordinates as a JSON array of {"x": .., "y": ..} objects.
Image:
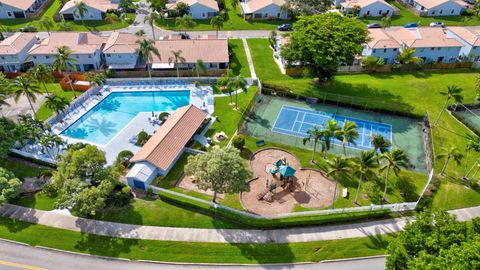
[
  {"x": 386, "y": 21},
  {"x": 453, "y": 92},
  {"x": 147, "y": 47},
  {"x": 476, "y": 9},
  {"x": 239, "y": 142},
  {"x": 472, "y": 144},
  {"x": 237, "y": 83},
  {"x": 56, "y": 103},
  {"x": 63, "y": 62},
  {"x": 322, "y": 42},
  {"x": 176, "y": 59},
  {"x": 184, "y": 23},
  {"x": 309, "y": 7},
  {"x": 126, "y": 5},
  {"x": 221, "y": 170},
  {"x": 157, "y": 5},
  {"x": 5, "y": 86},
  {"x": 407, "y": 56},
  {"x": 95, "y": 78},
  {"x": 151, "y": 19},
  {"x": 46, "y": 22},
  {"x": 364, "y": 165},
  {"x": 379, "y": 143},
  {"x": 42, "y": 74},
  {"x": 199, "y": 67},
  {"x": 395, "y": 160},
  {"x": 447, "y": 154},
  {"x": 181, "y": 9},
  {"x": 314, "y": 134},
  {"x": 140, "y": 33},
  {"x": 81, "y": 8},
  {"x": 51, "y": 145},
  {"x": 356, "y": 10},
  {"x": 337, "y": 167},
  {"x": 224, "y": 83},
  {"x": 217, "y": 23},
  {"x": 8, "y": 135},
  {"x": 371, "y": 63},
  {"x": 25, "y": 86},
  {"x": 329, "y": 130},
  {"x": 65, "y": 26},
  {"x": 9, "y": 186},
  {"x": 347, "y": 134},
  {"x": 112, "y": 18}
]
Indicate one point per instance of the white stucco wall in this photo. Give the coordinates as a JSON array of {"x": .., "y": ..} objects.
[
  {"x": 82, "y": 59},
  {"x": 198, "y": 11},
  {"x": 121, "y": 59},
  {"x": 271, "y": 11},
  {"x": 432, "y": 54},
  {"x": 388, "y": 54},
  {"x": 376, "y": 9},
  {"x": 12, "y": 63},
  {"x": 90, "y": 15},
  {"x": 6, "y": 11}
]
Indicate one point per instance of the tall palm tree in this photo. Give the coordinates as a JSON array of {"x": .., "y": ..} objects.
[
  {"x": 386, "y": 21},
  {"x": 46, "y": 22},
  {"x": 347, "y": 134},
  {"x": 447, "y": 154},
  {"x": 337, "y": 167},
  {"x": 42, "y": 74},
  {"x": 81, "y": 9},
  {"x": 236, "y": 83},
  {"x": 147, "y": 47},
  {"x": 150, "y": 19},
  {"x": 217, "y": 23},
  {"x": 63, "y": 62},
  {"x": 314, "y": 134},
  {"x": 329, "y": 130},
  {"x": 395, "y": 160},
  {"x": 472, "y": 144},
  {"x": 364, "y": 165},
  {"x": 112, "y": 18},
  {"x": 379, "y": 143},
  {"x": 56, "y": 103},
  {"x": 185, "y": 22},
  {"x": 199, "y": 67},
  {"x": 453, "y": 92},
  {"x": 176, "y": 59},
  {"x": 25, "y": 86}
]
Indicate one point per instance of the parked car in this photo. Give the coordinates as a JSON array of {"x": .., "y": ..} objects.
[
  {"x": 374, "y": 25},
  {"x": 437, "y": 24},
  {"x": 471, "y": 2},
  {"x": 285, "y": 27},
  {"x": 410, "y": 25}
]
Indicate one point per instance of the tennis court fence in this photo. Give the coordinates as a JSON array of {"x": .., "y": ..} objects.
[{"x": 468, "y": 114}]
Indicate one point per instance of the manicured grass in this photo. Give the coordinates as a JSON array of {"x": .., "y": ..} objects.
[
  {"x": 20, "y": 169},
  {"x": 38, "y": 235},
  {"x": 238, "y": 60},
  {"x": 43, "y": 113},
  {"x": 234, "y": 21},
  {"x": 37, "y": 201},
  {"x": 417, "y": 91}
]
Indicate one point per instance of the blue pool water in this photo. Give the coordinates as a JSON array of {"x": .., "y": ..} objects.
[
  {"x": 296, "y": 121},
  {"x": 107, "y": 118}
]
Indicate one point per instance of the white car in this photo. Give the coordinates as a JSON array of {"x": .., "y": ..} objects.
[{"x": 436, "y": 24}]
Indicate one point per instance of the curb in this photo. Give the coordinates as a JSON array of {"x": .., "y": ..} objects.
[
  {"x": 83, "y": 254},
  {"x": 223, "y": 264},
  {"x": 15, "y": 242},
  {"x": 354, "y": 259}
]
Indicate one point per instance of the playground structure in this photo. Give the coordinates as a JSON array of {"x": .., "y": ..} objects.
[{"x": 281, "y": 184}]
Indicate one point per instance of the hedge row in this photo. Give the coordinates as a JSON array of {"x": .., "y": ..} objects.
[{"x": 33, "y": 160}]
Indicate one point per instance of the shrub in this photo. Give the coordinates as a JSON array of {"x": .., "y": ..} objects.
[
  {"x": 373, "y": 191},
  {"x": 121, "y": 196},
  {"x": 50, "y": 190},
  {"x": 239, "y": 142},
  {"x": 124, "y": 156},
  {"x": 149, "y": 191},
  {"x": 163, "y": 116},
  {"x": 142, "y": 138}
]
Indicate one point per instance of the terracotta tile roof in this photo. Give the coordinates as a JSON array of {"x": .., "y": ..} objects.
[
  {"x": 21, "y": 4},
  {"x": 14, "y": 44},
  {"x": 362, "y": 3},
  {"x": 471, "y": 34},
  {"x": 380, "y": 39},
  {"x": 102, "y": 5},
  {"x": 169, "y": 140},
  {"x": 208, "y": 50},
  {"x": 80, "y": 43},
  {"x": 423, "y": 37},
  {"x": 208, "y": 3},
  {"x": 434, "y": 3},
  {"x": 121, "y": 43},
  {"x": 255, "y": 5}
]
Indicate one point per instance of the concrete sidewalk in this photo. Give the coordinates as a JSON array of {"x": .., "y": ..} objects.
[{"x": 305, "y": 234}]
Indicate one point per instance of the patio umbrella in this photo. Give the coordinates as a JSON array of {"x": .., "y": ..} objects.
[{"x": 287, "y": 171}]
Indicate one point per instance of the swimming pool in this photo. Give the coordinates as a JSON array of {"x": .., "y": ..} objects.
[{"x": 114, "y": 112}]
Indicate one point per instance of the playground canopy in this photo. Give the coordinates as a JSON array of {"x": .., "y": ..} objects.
[{"x": 287, "y": 171}]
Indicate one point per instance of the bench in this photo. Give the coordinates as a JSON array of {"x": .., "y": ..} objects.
[{"x": 344, "y": 192}]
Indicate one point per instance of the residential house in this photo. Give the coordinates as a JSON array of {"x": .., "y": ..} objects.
[
  {"x": 96, "y": 10},
  {"x": 121, "y": 51},
  {"x": 165, "y": 147},
  {"x": 430, "y": 43},
  {"x": 14, "y": 52},
  {"x": 381, "y": 45},
  {"x": 213, "y": 52},
  {"x": 263, "y": 9},
  {"x": 199, "y": 9},
  {"x": 437, "y": 7},
  {"x": 368, "y": 8},
  {"x": 13, "y": 9},
  {"x": 86, "y": 49},
  {"x": 470, "y": 38}
]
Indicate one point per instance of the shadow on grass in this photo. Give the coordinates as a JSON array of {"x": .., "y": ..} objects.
[
  {"x": 105, "y": 246},
  {"x": 125, "y": 214},
  {"x": 16, "y": 225}
]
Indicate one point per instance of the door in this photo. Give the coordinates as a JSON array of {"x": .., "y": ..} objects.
[
  {"x": 139, "y": 184},
  {"x": 68, "y": 17}
]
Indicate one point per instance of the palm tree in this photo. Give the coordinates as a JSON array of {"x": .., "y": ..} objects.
[
  {"x": 217, "y": 23},
  {"x": 395, "y": 159},
  {"x": 140, "y": 33},
  {"x": 447, "y": 154},
  {"x": 454, "y": 92},
  {"x": 4, "y": 91},
  {"x": 236, "y": 83},
  {"x": 147, "y": 46},
  {"x": 365, "y": 163},
  {"x": 42, "y": 74},
  {"x": 379, "y": 143},
  {"x": 336, "y": 167},
  {"x": 112, "y": 19},
  {"x": 51, "y": 145},
  {"x": 347, "y": 134},
  {"x": 176, "y": 59},
  {"x": 185, "y": 22},
  {"x": 95, "y": 78},
  {"x": 472, "y": 144},
  {"x": 81, "y": 9},
  {"x": 314, "y": 134},
  {"x": 151, "y": 19},
  {"x": 56, "y": 103},
  {"x": 64, "y": 26},
  {"x": 63, "y": 62},
  {"x": 25, "y": 86},
  {"x": 386, "y": 21},
  {"x": 199, "y": 67},
  {"x": 330, "y": 128},
  {"x": 46, "y": 23}
]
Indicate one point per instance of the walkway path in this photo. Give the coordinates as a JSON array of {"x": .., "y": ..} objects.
[
  {"x": 249, "y": 59},
  {"x": 307, "y": 234}
]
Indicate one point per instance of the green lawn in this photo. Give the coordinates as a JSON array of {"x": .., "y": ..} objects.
[
  {"x": 234, "y": 21},
  {"x": 419, "y": 91},
  {"x": 38, "y": 235},
  {"x": 238, "y": 60},
  {"x": 20, "y": 168},
  {"x": 43, "y": 112}
]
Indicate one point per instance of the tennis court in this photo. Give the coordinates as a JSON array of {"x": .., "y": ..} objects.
[{"x": 297, "y": 121}]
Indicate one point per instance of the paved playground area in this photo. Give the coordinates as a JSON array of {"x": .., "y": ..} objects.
[{"x": 310, "y": 188}]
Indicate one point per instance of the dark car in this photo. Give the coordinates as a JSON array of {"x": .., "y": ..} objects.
[
  {"x": 410, "y": 25},
  {"x": 374, "y": 25},
  {"x": 285, "y": 27}
]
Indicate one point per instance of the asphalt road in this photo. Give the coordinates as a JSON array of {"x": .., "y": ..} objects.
[{"x": 15, "y": 256}]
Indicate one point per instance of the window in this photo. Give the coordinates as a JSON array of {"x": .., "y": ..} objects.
[
  {"x": 374, "y": 50},
  {"x": 394, "y": 49},
  {"x": 441, "y": 11},
  {"x": 438, "y": 49},
  {"x": 9, "y": 14},
  {"x": 384, "y": 50},
  {"x": 77, "y": 56},
  {"x": 47, "y": 57},
  {"x": 89, "y": 56},
  {"x": 108, "y": 55},
  {"x": 379, "y": 12},
  {"x": 119, "y": 56},
  {"x": 433, "y": 12},
  {"x": 452, "y": 11},
  {"x": 34, "y": 57},
  {"x": 3, "y": 57},
  {"x": 203, "y": 14},
  {"x": 432, "y": 49},
  {"x": 266, "y": 15},
  {"x": 388, "y": 12}
]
